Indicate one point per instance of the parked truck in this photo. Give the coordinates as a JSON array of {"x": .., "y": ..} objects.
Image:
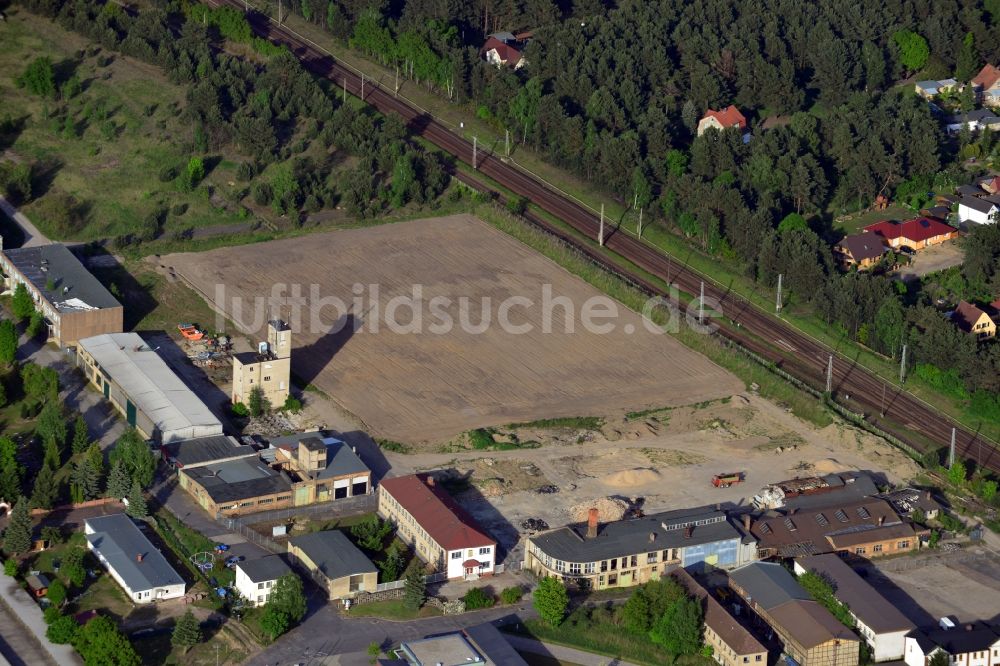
[{"x": 726, "y": 480}]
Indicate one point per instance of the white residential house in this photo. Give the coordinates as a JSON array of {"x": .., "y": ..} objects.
[
  {"x": 255, "y": 579},
  {"x": 978, "y": 210},
  {"x": 132, "y": 560},
  {"x": 974, "y": 644},
  {"x": 879, "y": 623}
]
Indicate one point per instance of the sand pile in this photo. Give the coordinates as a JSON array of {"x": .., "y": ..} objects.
[
  {"x": 830, "y": 466},
  {"x": 609, "y": 509},
  {"x": 630, "y": 478}
]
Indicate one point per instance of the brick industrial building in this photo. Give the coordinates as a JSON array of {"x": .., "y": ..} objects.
[{"x": 73, "y": 302}]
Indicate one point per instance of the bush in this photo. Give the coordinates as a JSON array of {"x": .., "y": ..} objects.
[
  {"x": 511, "y": 595},
  {"x": 246, "y": 171},
  {"x": 62, "y": 630},
  {"x": 57, "y": 592},
  {"x": 477, "y": 598},
  {"x": 10, "y": 568},
  {"x": 262, "y": 194},
  {"x": 239, "y": 409},
  {"x": 292, "y": 404},
  {"x": 517, "y": 205},
  {"x": 167, "y": 174}
]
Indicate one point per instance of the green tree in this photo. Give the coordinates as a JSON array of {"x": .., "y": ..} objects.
[
  {"x": 50, "y": 428},
  {"x": 392, "y": 566},
  {"x": 136, "y": 456},
  {"x": 939, "y": 658},
  {"x": 45, "y": 490},
  {"x": 187, "y": 632},
  {"x": 967, "y": 59},
  {"x": 679, "y": 629},
  {"x": 958, "y": 473},
  {"x": 374, "y": 650},
  {"x": 11, "y": 470},
  {"x": 62, "y": 630},
  {"x": 676, "y": 162},
  {"x": 288, "y": 597},
  {"x": 792, "y": 222},
  {"x": 17, "y": 536},
  {"x": 274, "y": 622},
  {"x": 988, "y": 490},
  {"x": 39, "y": 78},
  {"x": 119, "y": 484},
  {"x": 257, "y": 403},
  {"x": 21, "y": 304},
  {"x": 8, "y": 341},
  {"x": 371, "y": 532},
  {"x": 56, "y": 593},
  {"x": 635, "y": 612},
  {"x": 85, "y": 481},
  {"x": 913, "y": 49},
  {"x": 101, "y": 643},
  {"x": 137, "y": 507},
  {"x": 414, "y": 589},
  {"x": 194, "y": 173},
  {"x": 36, "y": 325},
  {"x": 81, "y": 438},
  {"x": 39, "y": 383},
  {"x": 10, "y": 568},
  {"x": 550, "y": 599},
  {"x": 72, "y": 566}
]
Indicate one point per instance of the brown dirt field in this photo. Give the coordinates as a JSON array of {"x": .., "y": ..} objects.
[{"x": 426, "y": 387}]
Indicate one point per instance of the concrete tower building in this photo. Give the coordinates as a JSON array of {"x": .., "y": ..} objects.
[{"x": 269, "y": 367}]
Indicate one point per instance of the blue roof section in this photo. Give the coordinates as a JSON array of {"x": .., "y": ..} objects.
[{"x": 120, "y": 543}]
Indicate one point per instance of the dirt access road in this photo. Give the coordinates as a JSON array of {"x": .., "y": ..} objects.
[{"x": 431, "y": 385}]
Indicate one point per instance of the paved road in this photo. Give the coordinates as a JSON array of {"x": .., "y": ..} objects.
[
  {"x": 32, "y": 236},
  {"x": 17, "y": 645}
]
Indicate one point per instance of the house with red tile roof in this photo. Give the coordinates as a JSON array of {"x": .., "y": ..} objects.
[
  {"x": 990, "y": 184},
  {"x": 987, "y": 85},
  {"x": 721, "y": 120},
  {"x": 916, "y": 234},
  {"x": 500, "y": 53},
  {"x": 441, "y": 532}
]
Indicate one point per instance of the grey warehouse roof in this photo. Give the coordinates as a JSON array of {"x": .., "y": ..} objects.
[
  {"x": 119, "y": 541},
  {"x": 861, "y": 598},
  {"x": 72, "y": 280},
  {"x": 264, "y": 569},
  {"x": 241, "y": 479},
  {"x": 150, "y": 383},
  {"x": 207, "y": 449},
  {"x": 334, "y": 554},
  {"x": 768, "y": 584},
  {"x": 627, "y": 537}
]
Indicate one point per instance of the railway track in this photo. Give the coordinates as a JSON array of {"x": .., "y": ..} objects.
[{"x": 884, "y": 404}]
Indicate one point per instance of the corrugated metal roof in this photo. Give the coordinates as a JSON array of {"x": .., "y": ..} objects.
[{"x": 152, "y": 386}]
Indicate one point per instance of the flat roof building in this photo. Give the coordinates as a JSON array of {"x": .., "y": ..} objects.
[
  {"x": 634, "y": 551},
  {"x": 189, "y": 453},
  {"x": 74, "y": 303},
  {"x": 441, "y": 532},
  {"x": 235, "y": 487},
  {"x": 810, "y": 634},
  {"x": 882, "y": 626},
  {"x": 140, "y": 384},
  {"x": 132, "y": 560},
  {"x": 480, "y": 645},
  {"x": 335, "y": 563}
]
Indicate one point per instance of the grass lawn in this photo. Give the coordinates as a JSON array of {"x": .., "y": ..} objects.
[
  {"x": 394, "y": 609},
  {"x": 852, "y": 224},
  {"x": 156, "y": 650},
  {"x": 601, "y": 637}
]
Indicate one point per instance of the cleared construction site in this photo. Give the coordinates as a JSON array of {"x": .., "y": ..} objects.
[{"x": 431, "y": 386}]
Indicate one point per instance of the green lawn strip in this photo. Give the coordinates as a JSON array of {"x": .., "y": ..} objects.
[
  {"x": 577, "y": 422},
  {"x": 600, "y": 638},
  {"x": 393, "y": 609}
]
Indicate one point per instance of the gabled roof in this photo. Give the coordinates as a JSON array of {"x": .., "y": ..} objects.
[
  {"x": 507, "y": 53},
  {"x": 991, "y": 184},
  {"x": 918, "y": 229},
  {"x": 967, "y": 315},
  {"x": 334, "y": 554},
  {"x": 977, "y": 204},
  {"x": 810, "y": 624},
  {"x": 341, "y": 459},
  {"x": 263, "y": 569},
  {"x": 867, "y": 245},
  {"x": 121, "y": 543},
  {"x": 870, "y": 607},
  {"x": 728, "y": 117},
  {"x": 767, "y": 584},
  {"x": 987, "y": 77},
  {"x": 436, "y": 512},
  {"x": 963, "y": 639},
  {"x": 733, "y": 634}
]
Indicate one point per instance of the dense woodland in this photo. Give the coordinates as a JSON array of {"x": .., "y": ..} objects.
[{"x": 614, "y": 94}]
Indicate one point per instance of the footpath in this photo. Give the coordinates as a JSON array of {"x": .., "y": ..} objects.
[{"x": 19, "y": 606}]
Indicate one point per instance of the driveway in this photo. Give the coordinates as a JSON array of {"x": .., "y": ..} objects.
[
  {"x": 32, "y": 236},
  {"x": 933, "y": 259}
]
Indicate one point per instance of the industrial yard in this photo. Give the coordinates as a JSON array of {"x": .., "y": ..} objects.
[{"x": 428, "y": 387}]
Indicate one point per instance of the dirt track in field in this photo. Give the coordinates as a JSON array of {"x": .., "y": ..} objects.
[{"x": 429, "y": 386}]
